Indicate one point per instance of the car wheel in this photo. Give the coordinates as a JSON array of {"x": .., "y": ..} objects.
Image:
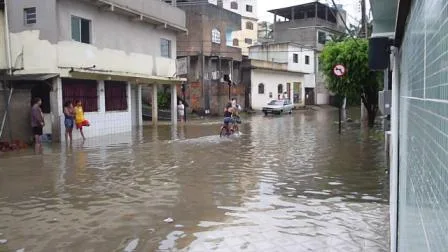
[
  {"x": 266, "y": 113},
  {"x": 290, "y": 112}
]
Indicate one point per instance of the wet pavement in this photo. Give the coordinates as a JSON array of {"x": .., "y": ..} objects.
[{"x": 288, "y": 183}]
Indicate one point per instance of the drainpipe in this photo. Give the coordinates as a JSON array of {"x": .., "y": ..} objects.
[
  {"x": 394, "y": 167},
  {"x": 9, "y": 62}
]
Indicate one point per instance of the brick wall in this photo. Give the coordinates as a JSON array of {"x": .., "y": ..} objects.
[{"x": 423, "y": 167}]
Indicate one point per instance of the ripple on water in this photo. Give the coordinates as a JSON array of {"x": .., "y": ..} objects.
[{"x": 288, "y": 182}]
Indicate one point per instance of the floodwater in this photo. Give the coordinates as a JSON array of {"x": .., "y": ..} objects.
[{"x": 287, "y": 183}]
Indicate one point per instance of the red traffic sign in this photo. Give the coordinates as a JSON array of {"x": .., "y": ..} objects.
[{"x": 339, "y": 70}]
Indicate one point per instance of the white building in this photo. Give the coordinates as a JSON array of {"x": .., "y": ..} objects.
[
  {"x": 98, "y": 51},
  {"x": 279, "y": 70}
]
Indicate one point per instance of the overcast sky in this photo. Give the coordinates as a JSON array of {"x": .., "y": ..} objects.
[{"x": 351, "y": 6}]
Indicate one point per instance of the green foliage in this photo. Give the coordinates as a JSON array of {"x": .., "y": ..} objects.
[
  {"x": 359, "y": 81},
  {"x": 164, "y": 99}
]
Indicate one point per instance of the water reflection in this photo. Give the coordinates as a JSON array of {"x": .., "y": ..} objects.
[{"x": 287, "y": 183}]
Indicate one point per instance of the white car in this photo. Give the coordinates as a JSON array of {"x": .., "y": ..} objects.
[{"x": 278, "y": 107}]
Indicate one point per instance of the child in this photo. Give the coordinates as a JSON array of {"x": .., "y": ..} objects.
[
  {"x": 68, "y": 120},
  {"x": 79, "y": 118}
]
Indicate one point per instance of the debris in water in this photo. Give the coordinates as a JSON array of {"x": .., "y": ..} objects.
[
  {"x": 179, "y": 226},
  {"x": 131, "y": 246},
  {"x": 152, "y": 230},
  {"x": 20, "y": 250},
  {"x": 168, "y": 220},
  {"x": 3, "y": 241}
]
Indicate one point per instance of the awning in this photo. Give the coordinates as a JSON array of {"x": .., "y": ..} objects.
[
  {"x": 29, "y": 77},
  {"x": 134, "y": 78}
]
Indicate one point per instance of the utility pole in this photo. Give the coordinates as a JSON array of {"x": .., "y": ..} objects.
[{"x": 364, "y": 27}]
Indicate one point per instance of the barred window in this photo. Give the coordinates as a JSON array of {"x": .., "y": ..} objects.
[{"x": 116, "y": 95}]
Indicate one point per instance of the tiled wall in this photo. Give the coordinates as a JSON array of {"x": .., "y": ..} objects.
[{"x": 423, "y": 172}]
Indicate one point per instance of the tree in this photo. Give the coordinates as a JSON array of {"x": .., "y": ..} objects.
[{"x": 358, "y": 81}]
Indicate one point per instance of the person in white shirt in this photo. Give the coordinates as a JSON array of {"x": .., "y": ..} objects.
[{"x": 181, "y": 111}]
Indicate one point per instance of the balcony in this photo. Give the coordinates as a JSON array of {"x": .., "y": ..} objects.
[{"x": 152, "y": 11}]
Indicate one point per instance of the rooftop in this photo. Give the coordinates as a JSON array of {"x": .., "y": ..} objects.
[{"x": 307, "y": 10}]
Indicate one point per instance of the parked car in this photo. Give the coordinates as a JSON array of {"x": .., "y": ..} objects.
[{"x": 278, "y": 107}]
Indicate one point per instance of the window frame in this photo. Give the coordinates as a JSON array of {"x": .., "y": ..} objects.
[
  {"x": 249, "y": 8},
  {"x": 280, "y": 88},
  {"x": 234, "y": 5},
  {"x": 80, "y": 19},
  {"x": 89, "y": 97},
  {"x": 26, "y": 14},
  {"x": 319, "y": 37},
  {"x": 295, "y": 58},
  {"x": 119, "y": 105},
  {"x": 249, "y": 25},
  {"x": 216, "y": 36},
  {"x": 248, "y": 41},
  {"x": 168, "y": 53},
  {"x": 307, "y": 59},
  {"x": 261, "y": 88},
  {"x": 235, "y": 42}
]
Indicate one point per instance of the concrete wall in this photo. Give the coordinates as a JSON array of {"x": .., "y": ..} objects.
[
  {"x": 271, "y": 79},
  {"x": 155, "y": 8},
  {"x": 46, "y": 18},
  {"x": 284, "y": 53},
  {"x": 285, "y": 32},
  {"x": 423, "y": 127},
  {"x": 114, "y": 31},
  {"x": 201, "y": 20},
  {"x": 3, "y": 55},
  {"x": 19, "y": 123}
]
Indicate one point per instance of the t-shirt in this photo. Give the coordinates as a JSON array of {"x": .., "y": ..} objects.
[
  {"x": 79, "y": 114},
  {"x": 37, "y": 118}
]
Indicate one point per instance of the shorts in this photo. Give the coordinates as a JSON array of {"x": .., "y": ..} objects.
[
  {"x": 37, "y": 131},
  {"x": 82, "y": 124},
  {"x": 228, "y": 120},
  {"x": 69, "y": 123}
]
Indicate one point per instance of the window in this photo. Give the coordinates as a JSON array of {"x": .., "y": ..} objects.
[
  {"x": 321, "y": 37},
  {"x": 81, "y": 30},
  {"x": 234, "y": 5},
  {"x": 295, "y": 58},
  {"x": 280, "y": 88},
  {"x": 84, "y": 90},
  {"x": 261, "y": 88},
  {"x": 29, "y": 15},
  {"x": 236, "y": 42},
  {"x": 165, "y": 48},
  {"x": 249, "y": 8},
  {"x": 248, "y": 41},
  {"x": 116, "y": 95},
  {"x": 216, "y": 36},
  {"x": 249, "y": 26},
  {"x": 307, "y": 60},
  {"x": 270, "y": 94}
]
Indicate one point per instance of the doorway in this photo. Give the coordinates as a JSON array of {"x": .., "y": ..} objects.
[
  {"x": 309, "y": 96},
  {"x": 297, "y": 89}
]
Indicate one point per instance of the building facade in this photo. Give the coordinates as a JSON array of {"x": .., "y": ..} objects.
[
  {"x": 417, "y": 33},
  {"x": 210, "y": 63},
  {"x": 248, "y": 34},
  {"x": 99, "y": 52},
  {"x": 280, "y": 71},
  {"x": 311, "y": 25}
]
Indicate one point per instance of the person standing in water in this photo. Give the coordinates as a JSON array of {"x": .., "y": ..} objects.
[
  {"x": 79, "y": 118},
  {"x": 37, "y": 123},
  {"x": 181, "y": 111},
  {"x": 69, "y": 121}
]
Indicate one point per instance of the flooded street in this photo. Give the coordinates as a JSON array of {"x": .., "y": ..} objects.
[{"x": 288, "y": 183}]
